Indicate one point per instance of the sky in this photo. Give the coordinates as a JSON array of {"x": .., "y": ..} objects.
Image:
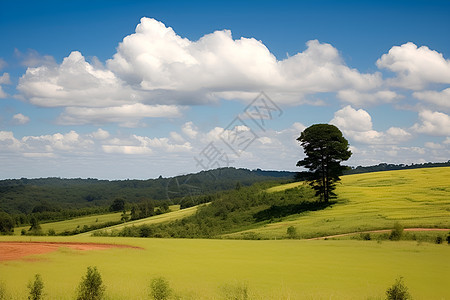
[{"x": 139, "y": 89}]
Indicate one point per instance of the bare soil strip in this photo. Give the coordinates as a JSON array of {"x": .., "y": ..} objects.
[
  {"x": 19, "y": 250},
  {"x": 377, "y": 231}
]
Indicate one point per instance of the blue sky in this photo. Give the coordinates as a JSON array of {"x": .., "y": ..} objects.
[{"x": 138, "y": 89}]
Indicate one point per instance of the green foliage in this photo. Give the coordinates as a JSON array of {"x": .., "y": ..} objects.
[
  {"x": 291, "y": 232},
  {"x": 398, "y": 291},
  {"x": 397, "y": 232},
  {"x": 6, "y": 223},
  {"x": 117, "y": 205},
  {"x": 91, "y": 286},
  {"x": 160, "y": 289},
  {"x": 325, "y": 147},
  {"x": 36, "y": 288}
]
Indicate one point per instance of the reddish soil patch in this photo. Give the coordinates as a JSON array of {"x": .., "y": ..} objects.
[{"x": 19, "y": 250}]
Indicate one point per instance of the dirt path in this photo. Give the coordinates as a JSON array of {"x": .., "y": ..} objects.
[
  {"x": 19, "y": 250},
  {"x": 377, "y": 231}
]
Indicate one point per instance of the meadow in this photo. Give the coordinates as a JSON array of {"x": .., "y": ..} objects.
[
  {"x": 174, "y": 214},
  {"x": 206, "y": 269},
  {"x": 371, "y": 201}
]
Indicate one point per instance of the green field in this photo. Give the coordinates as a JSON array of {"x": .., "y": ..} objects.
[
  {"x": 175, "y": 214},
  {"x": 74, "y": 223},
  {"x": 415, "y": 198},
  {"x": 199, "y": 269}
]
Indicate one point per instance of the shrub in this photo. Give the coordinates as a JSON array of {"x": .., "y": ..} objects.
[
  {"x": 291, "y": 232},
  {"x": 36, "y": 288},
  {"x": 366, "y": 236},
  {"x": 398, "y": 291},
  {"x": 397, "y": 232},
  {"x": 91, "y": 286},
  {"x": 438, "y": 240},
  {"x": 160, "y": 289}
]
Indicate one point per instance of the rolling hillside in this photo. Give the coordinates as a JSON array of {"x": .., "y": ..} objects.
[{"x": 370, "y": 201}]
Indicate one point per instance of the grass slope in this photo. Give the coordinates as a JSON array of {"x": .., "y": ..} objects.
[
  {"x": 415, "y": 198},
  {"x": 74, "y": 223},
  {"x": 198, "y": 269},
  {"x": 167, "y": 217}
]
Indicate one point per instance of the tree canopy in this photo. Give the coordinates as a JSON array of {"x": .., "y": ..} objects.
[{"x": 325, "y": 148}]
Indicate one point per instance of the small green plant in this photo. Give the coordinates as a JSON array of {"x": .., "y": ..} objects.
[
  {"x": 398, "y": 291},
  {"x": 397, "y": 232},
  {"x": 365, "y": 236},
  {"x": 36, "y": 288},
  {"x": 91, "y": 286},
  {"x": 291, "y": 232},
  {"x": 160, "y": 289},
  {"x": 439, "y": 240}
]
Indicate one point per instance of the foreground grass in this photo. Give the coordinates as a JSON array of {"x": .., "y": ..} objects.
[
  {"x": 415, "y": 198},
  {"x": 199, "y": 269}
]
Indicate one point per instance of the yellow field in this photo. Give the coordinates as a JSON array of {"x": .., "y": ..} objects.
[
  {"x": 167, "y": 217},
  {"x": 199, "y": 269},
  {"x": 415, "y": 198}
]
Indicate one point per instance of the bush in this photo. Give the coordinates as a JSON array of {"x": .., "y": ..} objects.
[
  {"x": 291, "y": 232},
  {"x": 397, "y": 232},
  {"x": 438, "y": 240},
  {"x": 398, "y": 291},
  {"x": 36, "y": 288},
  {"x": 160, "y": 289},
  {"x": 91, "y": 286},
  {"x": 365, "y": 236}
]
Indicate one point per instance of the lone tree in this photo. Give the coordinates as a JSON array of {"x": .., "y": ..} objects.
[{"x": 325, "y": 147}]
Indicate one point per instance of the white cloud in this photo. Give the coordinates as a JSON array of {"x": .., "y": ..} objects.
[
  {"x": 125, "y": 115},
  {"x": 433, "y": 145},
  {"x": 56, "y": 142},
  {"x": 2, "y": 63},
  {"x": 20, "y": 119},
  {"x": 360, "y": 98},
  {"x": 4, "y": 79},
  {"x": 357, "y": 125},
  {"x": 415, "y": 67},
  {"x": 9, "y": 142},
  {"x": 156, "y": 66},
  {"x": 190, "y": 130},
  {"x": 100, "y": 134},
  {"x": 433, "y": 123},
  {"x": 441, "y": 99}
]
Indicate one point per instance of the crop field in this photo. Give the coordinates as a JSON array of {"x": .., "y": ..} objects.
[
  {"x": 175, "y": 214},
  {"x": 75, "y": 223},
  {"x": 209, "y": 269},
  {"x": 370, "y": 201}
]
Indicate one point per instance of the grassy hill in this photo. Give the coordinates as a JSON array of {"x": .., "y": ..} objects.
[{"x": 415, "y": 198}]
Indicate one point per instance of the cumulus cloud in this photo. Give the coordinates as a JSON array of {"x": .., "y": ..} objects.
[
  {"x": 156, "y": 66},
  {"x": 20, "y": 119},
  {"x": 433, "y": 123},
  {"x": 357, "y": 126},
  {"x": 415, "y": 67},
  {"x": 100, "y": 134},
  {"x": 125, "y": 115},
  {"x": 362, "y": 98},
  {"x": 441, "y": 99}
]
